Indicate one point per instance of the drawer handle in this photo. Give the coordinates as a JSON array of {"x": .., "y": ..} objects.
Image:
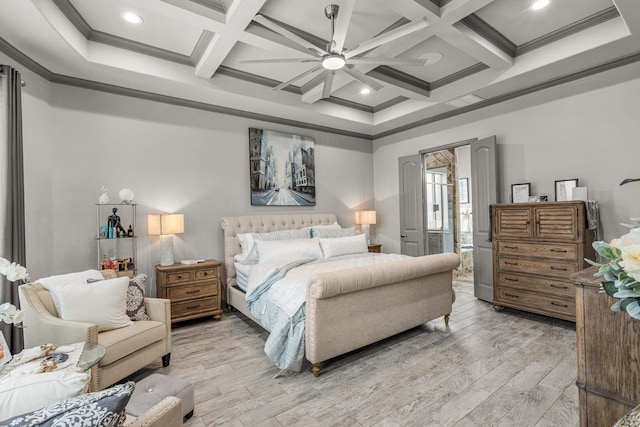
[
  {"x": 559, "y": 305},
  {"x": 558, "y": 268},
  {"x": 191, "y": 307},
  {"x": 509, "y": 279},
  {"x": 510, "y": 263},
  {"x": 558, "y": 287},
  {"x": 559, "y": 250},
  {"x": 193, "y": 292},
  {"x": 512, "y": 296},
  {"x": 205, "y": 273},
  {"x": 511, "y": 247},
  {"x": 179, "y": 277}
]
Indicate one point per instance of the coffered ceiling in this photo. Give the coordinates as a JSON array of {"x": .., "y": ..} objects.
[{"x": 202, "y": 53}]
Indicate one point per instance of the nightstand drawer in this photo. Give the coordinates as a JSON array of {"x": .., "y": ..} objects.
[
  {"x": 194, "y": 291},
  {"x": 193, "y": 308},
  {"x": 180, "y": 277},
  {"x": 209, "y": 273}
]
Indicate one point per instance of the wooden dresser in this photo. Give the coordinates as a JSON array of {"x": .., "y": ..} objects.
[
  {"x": 536, "y": 247},
  {"x": 194, "y": 290},
  {"x": 608, "y": 355}
]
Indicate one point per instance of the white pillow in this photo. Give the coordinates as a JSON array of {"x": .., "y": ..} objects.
[
  {"x": 20, "y": 394},
  {"x": 52, "y": 283},
  {"x": 337, "y": 246},
  {"x": 247, "y": 241},
  {"x": 103, "y": 303},
  {"x": 288, "y": 249},
  {"x": 243, "y": 272},
  {"x": 327, "y": 233},
  {"x": 325, "y": 226}
]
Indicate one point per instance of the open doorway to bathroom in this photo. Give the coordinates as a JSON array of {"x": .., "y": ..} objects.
[{"x": 448, "y": 214}]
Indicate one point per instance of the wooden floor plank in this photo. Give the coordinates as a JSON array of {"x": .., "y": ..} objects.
[{"x": 487, "y": 368}]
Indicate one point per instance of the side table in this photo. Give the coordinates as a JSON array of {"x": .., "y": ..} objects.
[
  {"x": 194, "y": 289},
  {"x": 375, "y": 247}
]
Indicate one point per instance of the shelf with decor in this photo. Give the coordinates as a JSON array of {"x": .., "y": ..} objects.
[{"x": 116, "y": 238}]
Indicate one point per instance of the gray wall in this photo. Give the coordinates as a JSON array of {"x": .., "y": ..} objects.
[
  {"x": 592, "y": 136},
  {"x": 175, "y": 159}
]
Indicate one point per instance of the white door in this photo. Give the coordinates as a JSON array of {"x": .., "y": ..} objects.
[
  {"x": 411, "y": 214},
  {"x": 484, "y": 186}
]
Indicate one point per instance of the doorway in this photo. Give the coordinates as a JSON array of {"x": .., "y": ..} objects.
[{"x": 447, "y": 213}]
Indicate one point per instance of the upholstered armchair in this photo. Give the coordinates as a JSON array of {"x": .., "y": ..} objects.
[{"x": 128, "y": 349}]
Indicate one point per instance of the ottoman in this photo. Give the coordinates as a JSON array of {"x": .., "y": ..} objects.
[{"x": 152, "y": 389}]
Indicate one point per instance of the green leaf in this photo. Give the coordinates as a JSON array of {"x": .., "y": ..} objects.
[
  {"x": 605, "y": 250},
  {"x": 616, "y": 306},
  {"x": 634, "y": 309},
  {"x": 626, "y": 293},
  {"x": 625, "y": 302},
  {"x": 609, "y": 288}
]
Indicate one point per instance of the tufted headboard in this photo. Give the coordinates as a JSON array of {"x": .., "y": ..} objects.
[{"x": 233, "y": 225}]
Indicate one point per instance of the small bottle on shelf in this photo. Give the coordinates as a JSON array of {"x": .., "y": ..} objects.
[{"x": 130, "y": 231}]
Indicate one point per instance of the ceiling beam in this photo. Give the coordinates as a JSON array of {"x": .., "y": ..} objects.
[
  {"x": 238, "y": 19},
  {"x": 630, "y": 12}
]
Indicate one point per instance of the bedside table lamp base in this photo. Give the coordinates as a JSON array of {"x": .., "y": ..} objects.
[{"x": 166, "y": 249}]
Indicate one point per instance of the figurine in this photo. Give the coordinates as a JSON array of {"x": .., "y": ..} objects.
[
  {"x": 114, "y": 223},
  {"x": 126, "y": 196},
  {"x": 104, "y": 197}
]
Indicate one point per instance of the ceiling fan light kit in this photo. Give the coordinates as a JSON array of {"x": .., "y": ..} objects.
[{"x": 335, "y": 58}]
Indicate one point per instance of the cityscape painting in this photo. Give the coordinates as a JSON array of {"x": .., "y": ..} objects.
[{"x": 282, "y": 169}]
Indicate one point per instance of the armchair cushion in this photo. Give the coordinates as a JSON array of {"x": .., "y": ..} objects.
[{"x": 120, "y": 343}]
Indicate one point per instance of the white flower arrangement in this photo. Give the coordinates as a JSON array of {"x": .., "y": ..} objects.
[
  {"x": 622, "y": 272},
  {"x": 9, "y": 313}
]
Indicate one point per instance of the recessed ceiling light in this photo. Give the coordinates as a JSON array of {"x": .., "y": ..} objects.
[
  {"x": 365, "y": 91},
  {"x": 134, "y": 18},
  {"x": 540, "y": 4}
]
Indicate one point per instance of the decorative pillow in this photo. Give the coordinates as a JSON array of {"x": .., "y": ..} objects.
[
  {"x": 288, "y": 249},
  {"x": 103, "y": 303},
  {"x": 337, "y": 246},
  {"x": 327, "y": 233},
  {"x": 135, "y": 298},
  {"x": 51, "y": 283},
  {"x": 247, "y": 242},
  {"x": 323, "y": 226},
  {"x": 103, "y": 408},
  {"x": 243, "y": 272},
  {"x": 20, "y": 394}
]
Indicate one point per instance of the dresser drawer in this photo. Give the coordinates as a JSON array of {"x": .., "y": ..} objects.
[
  {"x": 540, "y": 303},
  {"x": 537, "y": 284},
  {"x": 191, "y": 308},
  {"x": 179, "y": 277},
  {"x": 535, "y": 266},
  {"x": 554, "y": 251},
  {"x": 194, "y": 291}
]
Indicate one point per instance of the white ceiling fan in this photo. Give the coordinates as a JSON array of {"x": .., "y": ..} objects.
[{"x": 335, "y": 57}]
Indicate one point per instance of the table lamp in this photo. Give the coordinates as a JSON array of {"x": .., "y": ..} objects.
[
  {"x": 365, "y": 219},
  {"x": 166, "y": 226}
]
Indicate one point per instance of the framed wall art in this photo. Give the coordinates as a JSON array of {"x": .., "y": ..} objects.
[
  {"x": 281, "y": 169},
  {"x": 520, "y": 192},
  {"x": 563, "y": 189}
]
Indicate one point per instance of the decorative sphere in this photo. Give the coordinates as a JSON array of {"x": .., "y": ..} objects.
[{"x": 126, "y": 195}]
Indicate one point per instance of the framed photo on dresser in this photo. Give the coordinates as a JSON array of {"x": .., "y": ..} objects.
[
  {"x": 520, "y": 192},
  {"x": 563, "y": 189}
]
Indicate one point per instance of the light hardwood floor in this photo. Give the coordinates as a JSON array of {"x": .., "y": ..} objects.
[{"x": 487, "y": 369}]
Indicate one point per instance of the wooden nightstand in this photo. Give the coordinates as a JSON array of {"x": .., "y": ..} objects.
[
  {"x": 375, "y": 247},
  {"x": 194, "y": 290}
]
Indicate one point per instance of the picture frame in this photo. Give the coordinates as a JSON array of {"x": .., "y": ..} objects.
[
  {"x": 520, "y": 192},
  {"x": 563, "y": 187},
  {"x": 281, "y": 169},
  {"x": 463, "y": 190}
]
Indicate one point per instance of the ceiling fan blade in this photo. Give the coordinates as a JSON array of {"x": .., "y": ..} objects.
[
  {"x": 363, "y": 78},
  {"x": 342, "y": 25},
  {"x": 299, "y": 76},
  {"x": 261, "y": 19},
  {"x": 388, "y": 61},
  {"x": 387, "y": 37},
  {"x": 276, "y": 61},
  {"x": 328, "y": 82}
]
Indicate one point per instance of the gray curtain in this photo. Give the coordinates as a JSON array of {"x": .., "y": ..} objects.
[{"x": 12, "y": 218}]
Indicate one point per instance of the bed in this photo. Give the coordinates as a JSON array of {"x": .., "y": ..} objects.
[{"x": 347, "y": 309}]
